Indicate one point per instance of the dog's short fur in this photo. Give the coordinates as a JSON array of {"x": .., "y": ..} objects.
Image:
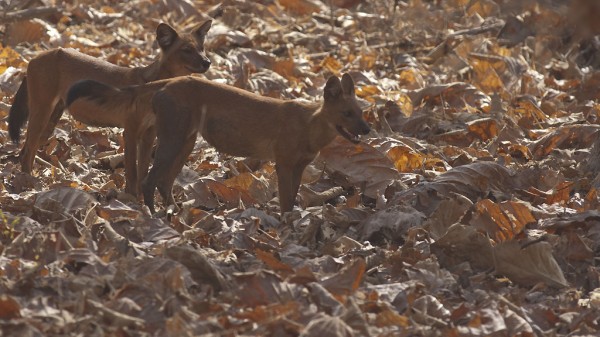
[
  {"x": 41, "y": 96},
  {"x": 234, "y": 121}
]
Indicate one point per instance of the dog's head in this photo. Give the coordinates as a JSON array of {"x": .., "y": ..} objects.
[
  {"x": 342, "y": 109},
  {"x": 183, "y": 54}
]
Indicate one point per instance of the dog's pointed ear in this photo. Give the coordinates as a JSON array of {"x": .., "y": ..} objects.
[
  {"x": 333, "y": 88},
  {"x": 202, "y": 30},
  {"x": 165, "y": 35},
  {"x": 347, "y": 85}
]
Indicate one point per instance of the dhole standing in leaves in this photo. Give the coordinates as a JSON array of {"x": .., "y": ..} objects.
[
  {"x": 235, "y": 122},
  {"x": 41, "y": 96}
]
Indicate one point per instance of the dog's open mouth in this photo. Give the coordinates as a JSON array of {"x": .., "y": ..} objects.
[{"x": 347, "y": 134}]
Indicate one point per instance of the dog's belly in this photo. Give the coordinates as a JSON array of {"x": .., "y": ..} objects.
[
  {"x": 240, "y": 142},
  {"x": 262, "y": 150}
]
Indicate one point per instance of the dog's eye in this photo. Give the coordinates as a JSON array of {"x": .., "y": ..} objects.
[{"x": 347, "y": 113}]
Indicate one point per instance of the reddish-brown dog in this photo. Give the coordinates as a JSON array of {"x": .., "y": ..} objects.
[
  {"x": 41, "y": 96},
  {"x": 234, "y": 121}
]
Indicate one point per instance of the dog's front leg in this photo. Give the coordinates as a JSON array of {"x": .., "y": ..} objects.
[
  {"x": 130, "y": 138},
  {"x": 285, "y": 182},
  {"x": 145, "y": 155},
  {"x": 298, "y": 169}
]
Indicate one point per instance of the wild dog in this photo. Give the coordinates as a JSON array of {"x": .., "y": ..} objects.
[
  {"x": 41, "y": 96},
  {"x": 235, "y": 122}
]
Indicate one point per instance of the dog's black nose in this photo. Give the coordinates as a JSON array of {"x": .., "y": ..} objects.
[
  {"x": 206, "y": 63},
  {"x": 365, "y": 129}
]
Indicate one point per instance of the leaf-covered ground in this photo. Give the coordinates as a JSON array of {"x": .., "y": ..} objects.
[{"x": 471, "y": 209}]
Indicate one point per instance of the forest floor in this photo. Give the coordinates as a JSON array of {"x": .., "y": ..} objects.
[{"x": 471, "y": 209}]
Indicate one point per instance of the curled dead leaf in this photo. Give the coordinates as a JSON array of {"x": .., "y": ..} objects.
[
  {"x": 530, "y": 265},
  {"x": 347, "y": 280},
  {"x": 406, "y": 159},
  {"x": 568, "y": 136},
  {"x": 501, "y": 221},
  {"x": 361, "y": 163}
]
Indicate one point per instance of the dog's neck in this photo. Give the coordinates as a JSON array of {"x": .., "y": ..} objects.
[
  {"x": 153, "y": 71},
  {"x": 321, "y": 131}
]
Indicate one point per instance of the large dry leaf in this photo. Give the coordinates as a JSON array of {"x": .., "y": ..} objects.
[
  {"x": 429, "y": 306},
  {"x": 210, "y": 193},
  {"x": 529, "y": 265},
  {"x": 503, "y": 221},
  {"x": 259, "y": 188},
  {"x": 448, "y": 212},
  {"x": 261, "y": 288},
  {"x": 363, "y": 164},
  {"x": 473, "y": 181},
  {"x": 201, "y": 268},
  {"x": 29, "y": 31},
  {"x": 391, "y": 224},
  {"x": 462, "y": 243},
  {"x": 571, "y": 136},
  {"x": 347, "y": 280},
  {"x": 456, "y": 95},
  {"x": 69, "y": 199},
  {"x": 116, "y": 210}
]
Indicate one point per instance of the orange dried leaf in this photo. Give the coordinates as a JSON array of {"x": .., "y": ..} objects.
[
  {"x": 206, "y": 165},
  {"x": 284, "y": 68},
  {"x": 484, "y": 8},
  {"x": 435, "y": 164},
  {"x": 410, "y": 78},
  {"x": 274, "y": 263},
  {"x": 486, "y": 77},
  {"x": 247, "y": 183},
  {"x": 405, "y": 104},
  {"x": 227, "y": 195},
  {"x": 561, "y": 193},
  {"x": 367, "y": 92},
  {"x": 501, "y": 221},
  {"x": 484, "y": 128},
  {"x": 530, "y": 109},
  {"x": 332, "y": 65},
  {"x": 368, "y": 60},
  {"x": 10, "y": 58},
  {"x": 405, "y": 159},
  {"x": 300, "y": 7},
  {"x": 389, "y": 317},
  {"x": 516, "y": 151}
]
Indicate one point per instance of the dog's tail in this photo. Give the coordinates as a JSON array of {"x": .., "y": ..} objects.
[
  {"x": 100, "y": 97},
  {"x": 19, "y": 112},
  {"x": 93, "y": 91},
  {"x": 97, "y": 98}
]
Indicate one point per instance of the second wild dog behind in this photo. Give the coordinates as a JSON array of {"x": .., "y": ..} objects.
[
  {"x": 235, "y": 122},
  {"x": 41, "y": 96}
]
